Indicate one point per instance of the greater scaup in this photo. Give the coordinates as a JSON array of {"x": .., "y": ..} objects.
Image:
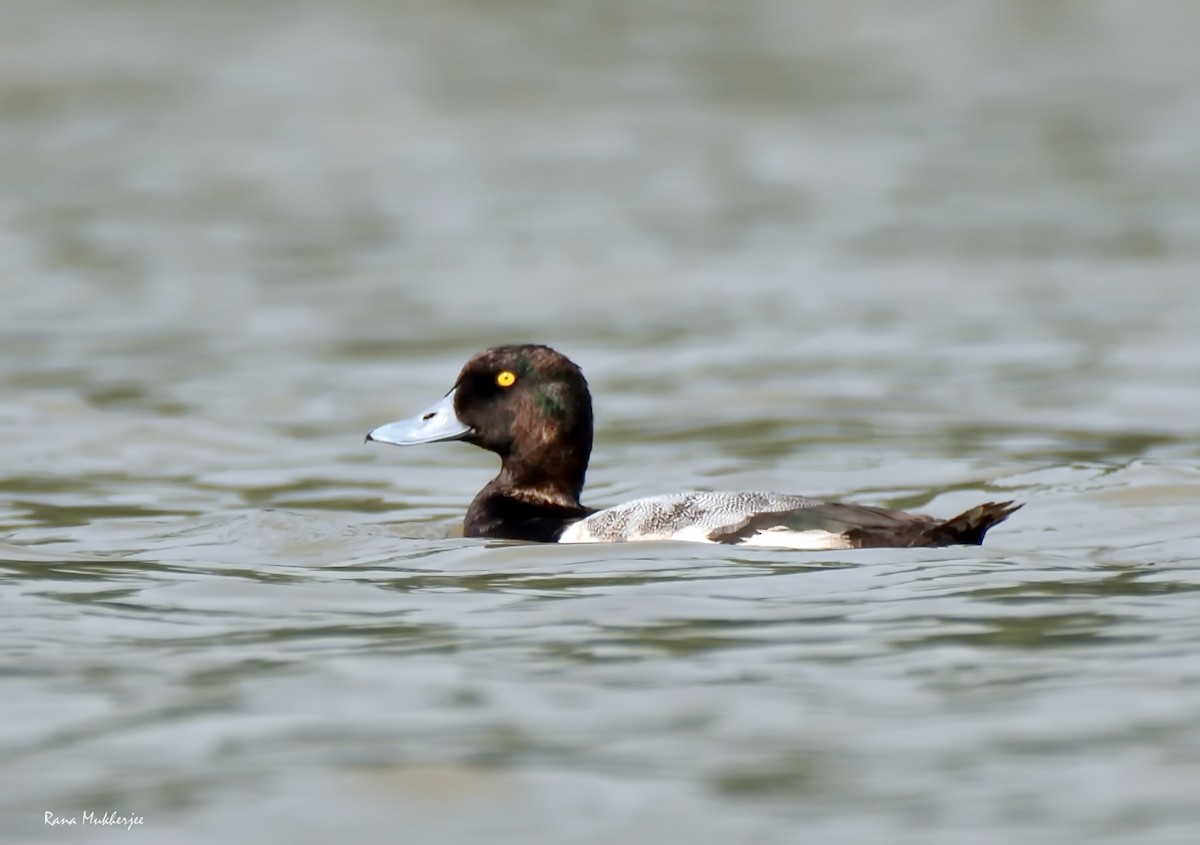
[{"x": 531, "y": 406}]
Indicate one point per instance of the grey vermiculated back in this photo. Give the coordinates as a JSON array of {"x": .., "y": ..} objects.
[{"x": 703, "y": 511}]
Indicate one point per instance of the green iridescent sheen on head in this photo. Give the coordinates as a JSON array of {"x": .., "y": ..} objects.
[{"x": 549, "y": 400}]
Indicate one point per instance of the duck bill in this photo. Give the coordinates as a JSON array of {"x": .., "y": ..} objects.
[{"x": 433, "y": 425}]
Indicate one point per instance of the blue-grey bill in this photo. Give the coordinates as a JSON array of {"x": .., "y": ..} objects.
[{"x": 432, "y": 425}]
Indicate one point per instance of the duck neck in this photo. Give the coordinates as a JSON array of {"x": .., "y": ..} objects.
[{"x": 553, "y": 477}]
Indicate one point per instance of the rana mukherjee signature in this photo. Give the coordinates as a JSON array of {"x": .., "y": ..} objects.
[{"x": 108, "y": 819}]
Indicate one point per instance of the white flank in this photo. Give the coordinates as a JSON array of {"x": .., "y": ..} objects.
[
  {"x": 695, "y": 517},
  {"x": 774, "y": 538},
  {"x": 690, "y": 534},
  {"x": 578, "y": 533},
  {"x": 813, "y": 540}
]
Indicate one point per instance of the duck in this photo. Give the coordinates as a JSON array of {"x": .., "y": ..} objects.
[{"x": 531, "y": 406}]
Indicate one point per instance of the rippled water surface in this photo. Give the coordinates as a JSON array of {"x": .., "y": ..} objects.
[{"x": 918, "y": 255}]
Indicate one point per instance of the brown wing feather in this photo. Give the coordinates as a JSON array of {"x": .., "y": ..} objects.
[
  {"x": 966, "y": 529},
  {"x": 868, "y": 527}
]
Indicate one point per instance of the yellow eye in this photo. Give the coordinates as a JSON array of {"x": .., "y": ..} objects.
[{"x": 506, "y": 378}]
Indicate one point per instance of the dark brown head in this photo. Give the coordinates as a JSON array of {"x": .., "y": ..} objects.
[{"x": 528, "y": 404}]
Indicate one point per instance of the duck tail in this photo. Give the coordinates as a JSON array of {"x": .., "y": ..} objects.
[{"x": 970, "y": 526}]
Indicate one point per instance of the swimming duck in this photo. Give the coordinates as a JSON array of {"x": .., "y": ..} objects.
[{"x": 531, "y": 406}]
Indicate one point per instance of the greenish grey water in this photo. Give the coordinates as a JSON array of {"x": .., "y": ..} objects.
[{"x": 915, "y": 256}]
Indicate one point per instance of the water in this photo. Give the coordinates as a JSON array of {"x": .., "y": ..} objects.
[{"x": 917, "y": 257}]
